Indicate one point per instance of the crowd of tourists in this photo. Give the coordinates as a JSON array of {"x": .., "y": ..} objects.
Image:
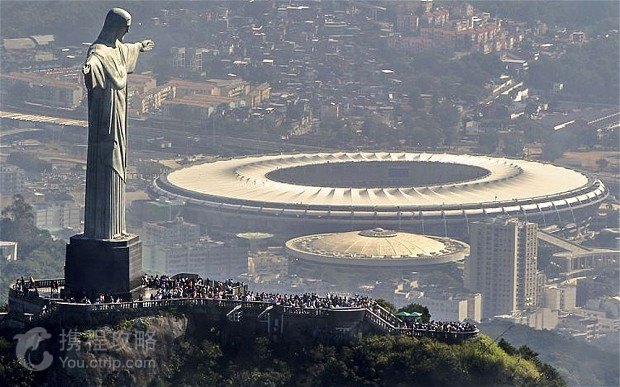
[
  {"x": 165, "y": 287},
  {"x": 29, "y": 286},
  {"x": 311, "y": 300},
  {"x": 23, "y": 286},
  {"x": 192, "y": 286},
  {"x": 195, "y": 287},
  {"x": 443, "y": 326}
]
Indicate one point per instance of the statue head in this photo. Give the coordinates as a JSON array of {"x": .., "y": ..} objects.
[{"x": 116, "y": 25}]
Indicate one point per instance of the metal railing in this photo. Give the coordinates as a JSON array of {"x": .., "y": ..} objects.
[{"x": 376, "y": 315}]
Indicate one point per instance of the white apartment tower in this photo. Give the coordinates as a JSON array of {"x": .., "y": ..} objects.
[{"x": 502, "y": 265}]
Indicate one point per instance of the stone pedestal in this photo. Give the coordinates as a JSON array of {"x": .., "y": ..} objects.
[{"x": 94, "y": 266}]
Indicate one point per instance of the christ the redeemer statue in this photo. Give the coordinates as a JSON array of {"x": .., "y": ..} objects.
[
  {"x": 108, "y": 62},
  {"x": 106, "y": 259}
]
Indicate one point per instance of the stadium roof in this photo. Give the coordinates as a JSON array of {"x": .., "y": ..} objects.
[
  {"x": 377, "y": 247},
  {"x": 507, "y": 182}
]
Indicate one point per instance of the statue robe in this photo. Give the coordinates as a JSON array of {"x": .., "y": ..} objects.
[{"x": 106, "y": 82}]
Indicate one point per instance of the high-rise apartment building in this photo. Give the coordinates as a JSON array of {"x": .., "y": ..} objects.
[
  {"x": 174, "y": 247},
  {"x": 502, "y": 265},
  {"x": 11, "y": 180}
]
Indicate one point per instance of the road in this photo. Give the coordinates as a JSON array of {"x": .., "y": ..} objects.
[
  {"x": 176, "y": 135},
  {"x": 7, "y": 133}
]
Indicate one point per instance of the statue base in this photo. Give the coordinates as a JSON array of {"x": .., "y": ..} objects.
[{"x": 95, "y": 266}]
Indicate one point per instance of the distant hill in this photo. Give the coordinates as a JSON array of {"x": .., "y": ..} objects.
[{"x": 579, "y": 363}]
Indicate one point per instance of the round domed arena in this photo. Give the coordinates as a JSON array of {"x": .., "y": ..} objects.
[
  {"x": 427, "y": 193},
  {"x": 370, "y": 254}
]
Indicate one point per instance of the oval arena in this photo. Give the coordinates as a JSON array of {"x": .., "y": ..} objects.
[{"x": 428, "y": 193}]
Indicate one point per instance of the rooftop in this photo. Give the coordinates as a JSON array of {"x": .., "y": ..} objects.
[
  {"x": 378, "y": 245},
  {"x": 404, "y": 180}
]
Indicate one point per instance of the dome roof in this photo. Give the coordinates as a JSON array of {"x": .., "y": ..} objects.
[{"x": 377, "y": 245}]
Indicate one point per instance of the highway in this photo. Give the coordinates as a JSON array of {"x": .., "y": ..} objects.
[
  {"x": 18, "y": 131},
  {"x": 176, "y": 135},
  {"x": 562, "y": 244},
  {"x": 41, "y": 119}
]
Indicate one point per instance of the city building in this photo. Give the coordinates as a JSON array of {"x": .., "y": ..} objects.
[
  {"x": 11, "y": 180},
  {"x": 540, "y": 318},
  {"x": 452, "y": 307},
  {"x": 56, "y": 212},
  {"x": 560, "y": 297},
  {"x": 173, "y": 247},
  {"x": 157, "y": 210},
  {"x": 586, "y": 328},
  {"x": 205, "y": 257},
  {"x": 151, "y": 100},
  {"x": 422, "y": 27},
  {"x": 268, "y": 264},
  {"x": 43, "y": 89},
  {"x": 502, "y": 265},
  {"x": 191, "y": 59},
  {"x": 572, "y": 260},
  {"x": 351, "y": 259},
  {"x": 28, "y": 53},
  {"x": 159, "y": 238},
  {"x": 8, "y": 251}
]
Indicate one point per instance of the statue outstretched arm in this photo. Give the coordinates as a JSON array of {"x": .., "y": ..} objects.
[
  {"x": 147, "y": 45},
  {"x": 132, "y": 51}
]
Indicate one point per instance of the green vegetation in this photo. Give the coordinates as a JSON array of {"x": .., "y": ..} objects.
[
  {"x": 436, "y": 84},
  {"x": 576, "y": 14},
  {"x": 462, "y": 79},
  {"x": 11, "y": 372},
  {"x": 29, "y": 162},
  {"x": 386, "y": 305},
  {"x": 371, "y": 360},
  {"x": 577, "y": 362},
  {"x": 589, "y": 72},
  {"x": 555, "y": 143},
  {"x": 38, "y": 255}
]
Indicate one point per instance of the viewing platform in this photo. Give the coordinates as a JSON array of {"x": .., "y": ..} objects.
[{"x": 39, "y": 302}]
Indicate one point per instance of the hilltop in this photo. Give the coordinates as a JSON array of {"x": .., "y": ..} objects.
[{"x": 190, "y": 354}]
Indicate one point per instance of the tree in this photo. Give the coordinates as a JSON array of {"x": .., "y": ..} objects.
[
  {"x": 532, "y": 132},
  {"x": 418, "y": 308},
  {"x": 488, "y": 142},
  {"x": 447, "y": 115},
  {"x": 331, "y": 125},
  {"x": 415, "y": 100},
  {"x": 554, "y": 148},
  {"x": 39, "y": 255},
  {"x": 386, "y": 304},
  {"x": 602, "y": 163},
  {"x": 585, "y": 135},
  {"x": 507, "y": 347},
  {"x": 589, "y": 72},
  {"x": 11, "y": 372},
  {"x": 29, "y": 162},
  {"x": 513, "y": 145},
  {"x": 18, "y": 224},
  {"x": 527, "y": 353}
]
